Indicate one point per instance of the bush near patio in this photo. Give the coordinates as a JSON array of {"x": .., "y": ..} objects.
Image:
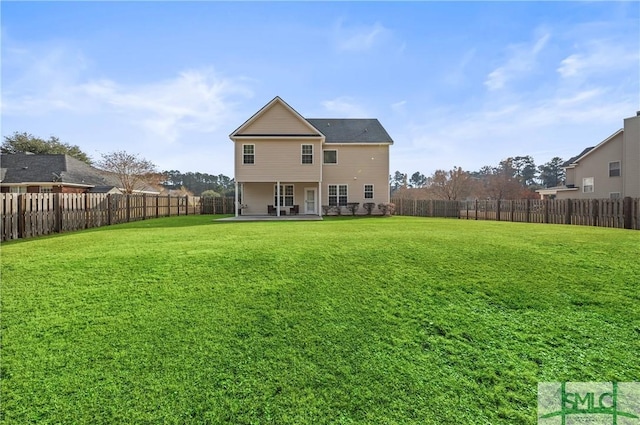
[{"x": 404, "y": 320}]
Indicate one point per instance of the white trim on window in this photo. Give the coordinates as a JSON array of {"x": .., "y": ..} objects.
[
  {"x": 306, "y": 154},
  {"x": 335, "y": 156},
  {"x": 368, "y": 191},
  {"x": 614, "y": 169},
  {"x": 587, "y": 185},
  {"x": 286, "y": 195},
  {"x": 338, "y": 195},
  {"x": 249, "y": 154}
]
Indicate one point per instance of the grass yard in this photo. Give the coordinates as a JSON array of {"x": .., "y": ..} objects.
[{"x": 346, "y": 321}]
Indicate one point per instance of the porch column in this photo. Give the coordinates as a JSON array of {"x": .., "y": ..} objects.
[
  {"x": 236, "y": 196},
  {"x": 278, "y": 198},
  {"x": 319, "y": 206}
]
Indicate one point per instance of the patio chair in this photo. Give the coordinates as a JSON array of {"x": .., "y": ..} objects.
[{"x": 294, "y": 210}]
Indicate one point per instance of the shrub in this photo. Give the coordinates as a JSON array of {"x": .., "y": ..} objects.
[
  {"x": 387, "y": 208},
  {"x": 326, "y": 209},
  {"x": 369, "y": 206},
  {"x": 210, "y": 194},
  {"x": 337, "y": 209},
  {"x": 353, "y": 207}
]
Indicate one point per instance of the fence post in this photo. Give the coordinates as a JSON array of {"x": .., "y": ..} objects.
[
  {"x": 157, "y": 206},
  {"x": 627, "y": 212},
  {"x": 128, "y": 207},
  {"x": 186, "y": 204},
  {"x": 568, "y": 212},
  {"x": 21, "y": 215},
  {"x": 498, "y": 210},
  {"x": 595, "y": 216},
  {"x": 109, "y": 218},
  {"x": 528, "y": 210},
  {"x": 144, "y": 206},
  {"x": 57, "y": 207},
  {"x": 476, "y": 208},
  {"x": 512, "y": 213},
  {"x": 168, "y": 205},
  {"x": 87, "y": 213},
  {"x": 546, "y": 211}
]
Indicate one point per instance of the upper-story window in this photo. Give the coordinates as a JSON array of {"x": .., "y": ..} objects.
[
  {"x": 614, "y": 169},
  {"x": 248, "y": 154},
  {"x": 307, "y": 154},
  {"x": 587, "y": 185},
  {"x": 330, "y": 157}
]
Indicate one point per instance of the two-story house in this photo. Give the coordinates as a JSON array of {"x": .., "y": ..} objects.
[
  {"x": 285, "y": 163},
  {"x": 610, "y": 169}
]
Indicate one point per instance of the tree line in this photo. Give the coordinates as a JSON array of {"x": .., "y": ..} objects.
[
  {"x": 132, "y": 171},
  {"x": 513, "y": 178}
]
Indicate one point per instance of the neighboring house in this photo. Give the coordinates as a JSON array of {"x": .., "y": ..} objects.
[
  {"x": 58, "y": 173},
  {"x": 610, "y": 169},
  {"x": 285, "y": 163}
]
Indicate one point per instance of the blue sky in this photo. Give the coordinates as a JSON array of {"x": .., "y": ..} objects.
[{"x": 454, "y": 83}]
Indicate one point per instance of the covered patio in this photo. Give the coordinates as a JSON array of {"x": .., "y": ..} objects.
[{"x": 300, "y": 217}]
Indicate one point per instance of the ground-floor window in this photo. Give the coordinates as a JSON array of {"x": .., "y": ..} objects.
[
  {"x": 368, "y": 191},
  {"x": 286, "y": 195},
  {"x": 587, "y": 185},
  {"x": 338, "y": 195}
]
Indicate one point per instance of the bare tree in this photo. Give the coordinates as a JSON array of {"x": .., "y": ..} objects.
[
  {"x": 451, "y": 185},
  {"x": 132, "y": 171}
]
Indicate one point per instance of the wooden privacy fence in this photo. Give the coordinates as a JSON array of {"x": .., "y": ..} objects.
[
  {"x": 27, "y": 215},
  {"x": 620, "y": 213},
  {"x": 426, "y": 207}
]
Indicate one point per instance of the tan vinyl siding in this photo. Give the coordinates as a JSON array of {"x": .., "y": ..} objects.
[
  {"x": 596, "y": 165},
  {"x": 358, "y": 165},
  {"x": 278, "y": 120},
  {"x": 278, "y": 160},
  {"x": 631, "y": 157}
]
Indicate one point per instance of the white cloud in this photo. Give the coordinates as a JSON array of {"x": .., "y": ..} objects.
[
  {"x": 58, "y": 81},
  {"x": 195, "y": 100},
  {"x": 598, "y": 57},
  {"x": 399, "y": 107},
  {"x": 522, "y": 59},
  {"x": 359, "y": 38},
  {"x": 345, "y": 107}
]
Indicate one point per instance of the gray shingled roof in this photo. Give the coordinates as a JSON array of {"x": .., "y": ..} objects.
[
  {"x": 25, "y": 168},
  {"x": 580, "y": 155},
  {"x": 354, "y": 130}
]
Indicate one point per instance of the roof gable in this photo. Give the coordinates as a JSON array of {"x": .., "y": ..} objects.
[
  {"x": 276, "y": 118},
  {"x": 571, "y": 162}
]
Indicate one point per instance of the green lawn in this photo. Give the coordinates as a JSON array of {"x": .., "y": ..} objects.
[{"x": 346, "y": 321}]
